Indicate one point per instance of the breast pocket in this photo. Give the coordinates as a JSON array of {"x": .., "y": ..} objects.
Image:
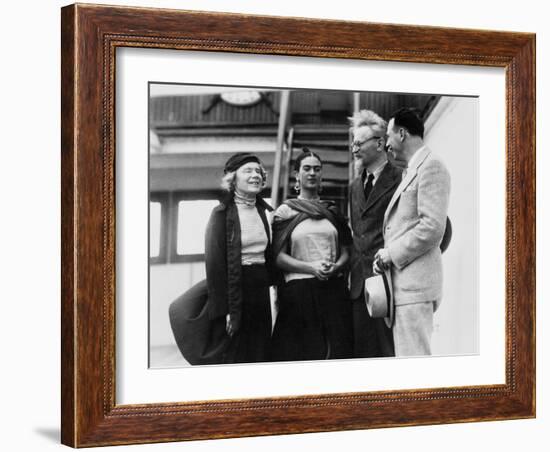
[{"x": 408, "y": 204}]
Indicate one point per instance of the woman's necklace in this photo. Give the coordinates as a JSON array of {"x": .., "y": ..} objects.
[
  {"x": 245, "y": 200},
  {"x": 315, "y": 198}
]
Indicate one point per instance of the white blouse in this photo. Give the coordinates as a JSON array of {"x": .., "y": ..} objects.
[
  {"x": 253, "y": 235},
  {"x": 313, "y": 240}
]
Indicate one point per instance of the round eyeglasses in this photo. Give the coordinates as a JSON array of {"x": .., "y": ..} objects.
[{"x": 358, "y": 144}]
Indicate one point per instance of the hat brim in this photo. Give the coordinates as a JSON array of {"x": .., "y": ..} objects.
[
  {"x": 390, "y": 319},
  {"x": 378, "y": 292}
]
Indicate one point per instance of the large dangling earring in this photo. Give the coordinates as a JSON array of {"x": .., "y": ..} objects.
[
  {"x": 297, "y": 186},
  {"x": 320, "y": 190}
]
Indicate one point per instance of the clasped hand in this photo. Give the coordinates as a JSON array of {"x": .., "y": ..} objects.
[{"x": 323, "y": 269}]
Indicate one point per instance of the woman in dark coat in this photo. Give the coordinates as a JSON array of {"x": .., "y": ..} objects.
[
  {"x": 238, "y": 259},
  {"x": 310, "y": 245}
]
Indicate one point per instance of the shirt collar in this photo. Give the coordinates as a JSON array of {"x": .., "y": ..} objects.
[{"x": 376, "y": 173}]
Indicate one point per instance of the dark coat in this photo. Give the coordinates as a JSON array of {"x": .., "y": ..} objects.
[
  {"x": 366, "y": 223},
  {"x": 197, "y": 317},
  {"x": 200, "y": 340},
  {"x": 223, "y": 259}
]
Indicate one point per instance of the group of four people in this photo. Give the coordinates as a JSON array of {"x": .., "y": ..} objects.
[{"x": 398, "y": 217}]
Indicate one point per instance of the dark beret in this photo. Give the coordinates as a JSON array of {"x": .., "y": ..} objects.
[{"x": 237, "y": 160}]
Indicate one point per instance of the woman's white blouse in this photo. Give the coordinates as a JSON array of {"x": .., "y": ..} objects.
[
  {"x": 253, "y": 237},
  {"x": 310, "y": 241}
]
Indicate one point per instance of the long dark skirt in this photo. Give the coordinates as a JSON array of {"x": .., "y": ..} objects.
[
  {"x": 314, "y": 321},
  {"x": 250, "y": 344}
]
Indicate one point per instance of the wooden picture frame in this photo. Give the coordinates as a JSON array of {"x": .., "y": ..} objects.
[{"x": 90, "y": 37}]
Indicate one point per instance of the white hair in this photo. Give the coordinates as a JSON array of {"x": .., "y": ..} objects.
[{"x": 368, "y": 118}]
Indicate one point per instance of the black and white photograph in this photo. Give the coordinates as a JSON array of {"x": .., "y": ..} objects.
[
  {"x": 197, "y": 197},
  {"x": 294, "y": 225}
]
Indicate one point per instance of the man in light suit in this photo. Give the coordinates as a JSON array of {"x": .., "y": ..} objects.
[
  {"x": 370, "y": 194},
  {"x": 414, "y": 224}
]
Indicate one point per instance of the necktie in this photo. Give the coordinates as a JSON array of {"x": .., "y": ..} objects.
[{"x": 368, "y": 186}]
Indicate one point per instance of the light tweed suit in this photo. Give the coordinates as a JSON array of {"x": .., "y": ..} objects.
[{"x": 414, "y": 224}]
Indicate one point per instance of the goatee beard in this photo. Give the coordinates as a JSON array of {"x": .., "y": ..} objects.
[{"x": 358, "y": 167}]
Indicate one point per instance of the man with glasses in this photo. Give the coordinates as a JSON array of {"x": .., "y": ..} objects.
[{"x": 371, "y": 191}]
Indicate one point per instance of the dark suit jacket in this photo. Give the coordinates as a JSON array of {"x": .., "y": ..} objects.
[{"x": 366, "y": 223}]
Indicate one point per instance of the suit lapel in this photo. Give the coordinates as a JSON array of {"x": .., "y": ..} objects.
[
  {"x": 411, "y": 174},
  {"x": 359, "y": 193},
  {"x": 384, "y": 183}
]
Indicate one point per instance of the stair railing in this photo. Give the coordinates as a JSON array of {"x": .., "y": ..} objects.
[
  {"x": 281, "y": 132},
  {"x": 288, "y": 161}
]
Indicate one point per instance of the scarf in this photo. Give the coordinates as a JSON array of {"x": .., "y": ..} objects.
[{"x": 316, "y": 210}]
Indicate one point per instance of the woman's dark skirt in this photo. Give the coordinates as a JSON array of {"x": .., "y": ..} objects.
[
  {"x": 250, "y": 344},
  {"x": 314, "y": 321}
]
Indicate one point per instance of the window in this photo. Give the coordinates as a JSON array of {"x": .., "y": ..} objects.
[
  {"x": 192, "y": 219},
  {"x": 158, "y": 227},
  {"x": 177, "y": 225},
  {"x": 155, "y": 210}
]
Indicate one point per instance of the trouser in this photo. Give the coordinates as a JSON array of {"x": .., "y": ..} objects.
[
  {"x": 371, "y": 337},
  {"x": 413, "y": 327}
]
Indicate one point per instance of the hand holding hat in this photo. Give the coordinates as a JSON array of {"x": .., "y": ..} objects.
[
  {"x": 379, "y": 297},
  {"x": 382, "y": 261}
]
